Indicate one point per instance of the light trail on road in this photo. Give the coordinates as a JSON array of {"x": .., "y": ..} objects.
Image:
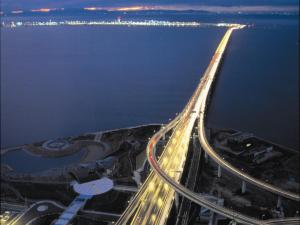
[{"x": 153, "y": 201}]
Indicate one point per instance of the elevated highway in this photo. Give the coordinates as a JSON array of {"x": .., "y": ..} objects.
[{"x": 153, "y": 202}]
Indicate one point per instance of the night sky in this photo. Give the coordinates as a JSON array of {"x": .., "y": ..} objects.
[{"x": 71, "y": 4}]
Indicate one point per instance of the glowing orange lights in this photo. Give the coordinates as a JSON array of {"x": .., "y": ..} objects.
[
  {"x": 92, "y": 8},
  {"x": 131, "y": 8},
  {"x": 42, "y": 10},
  {"x": 121, "y": 9}
]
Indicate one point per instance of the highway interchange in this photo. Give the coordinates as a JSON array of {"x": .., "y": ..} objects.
[{"x": 153, "y": 202}]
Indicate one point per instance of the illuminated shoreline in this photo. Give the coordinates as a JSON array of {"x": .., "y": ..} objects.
[{"x": 146, "y": 23}]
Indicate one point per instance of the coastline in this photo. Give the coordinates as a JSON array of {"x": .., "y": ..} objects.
[
  {"x": 36, "y": 151},
  {"x": 5, "y": 150}
]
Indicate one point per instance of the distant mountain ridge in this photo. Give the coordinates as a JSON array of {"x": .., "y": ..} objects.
[{"x": 9, "y": 5}]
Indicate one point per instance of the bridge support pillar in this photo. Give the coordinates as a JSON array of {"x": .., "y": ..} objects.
[
  {"x": 278, "y": 202},
  {"x": 212, "y": 219},
  {"x": 243, "y": 187},
  {"x": 164, "y": 137},
  {"x": 232, "y": 222},
  {"x": 194, "y": 140},
  {"x": 219, "y": 171},
  {"x": 205, "y": 157},
  {"x": 177, "y": 201}
]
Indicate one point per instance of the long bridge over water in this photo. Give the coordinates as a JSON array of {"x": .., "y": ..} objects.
[{"x": 154, "y": 200}]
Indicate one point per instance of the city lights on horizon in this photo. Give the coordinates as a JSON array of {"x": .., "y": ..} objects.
[
  {"x": 38, "y": 10},
  {"x": 17, "y": 11},
  {"x": 92, "y": 8},
  {"x": 42, "y": 10},
  {"x": 133, "y": 8},
  {"x": 118, "y": 22},
  {"x": 122, "y": 9}
]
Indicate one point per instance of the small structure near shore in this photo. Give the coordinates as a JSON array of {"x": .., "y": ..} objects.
[
  {"x": 86, "y": 191},
  {"x": 56, "y": 144},
  {"x": 95, "y": 187}
]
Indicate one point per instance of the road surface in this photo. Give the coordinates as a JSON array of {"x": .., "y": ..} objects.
[{"x": 153, "y": 202}]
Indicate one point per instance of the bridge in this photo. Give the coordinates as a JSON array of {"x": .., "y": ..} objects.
[{"x": 153, "y": 202}]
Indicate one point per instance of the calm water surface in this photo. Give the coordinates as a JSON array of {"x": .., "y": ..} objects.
[
  {"x": 19, "y": 160},
  {"x": 63, "y": 81},
  {"x": 258, "y": 87}
]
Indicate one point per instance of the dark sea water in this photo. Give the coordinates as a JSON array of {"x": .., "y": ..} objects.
[
  {"x": 19, "y": 161},
  {"x": 62, "y": 81},
  {"x": 258, "y": 87}
]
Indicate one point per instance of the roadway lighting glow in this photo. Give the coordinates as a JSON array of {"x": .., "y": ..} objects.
[
  {"x": 153, "y": 217},
  {"x": 159, "y": 202},
  {"x": 151, "y": 186},
  {"x": 4, "y": 217},
  {"x": 185, "y": 128},
  {"x": 165, "y": 160},
  {"x": 166, "y": 187}
]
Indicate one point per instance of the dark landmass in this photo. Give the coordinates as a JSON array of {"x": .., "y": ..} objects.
[{"x": 120, "y": 155}]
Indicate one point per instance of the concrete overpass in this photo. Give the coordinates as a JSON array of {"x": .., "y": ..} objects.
[{"x": 152, "y": 203}]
